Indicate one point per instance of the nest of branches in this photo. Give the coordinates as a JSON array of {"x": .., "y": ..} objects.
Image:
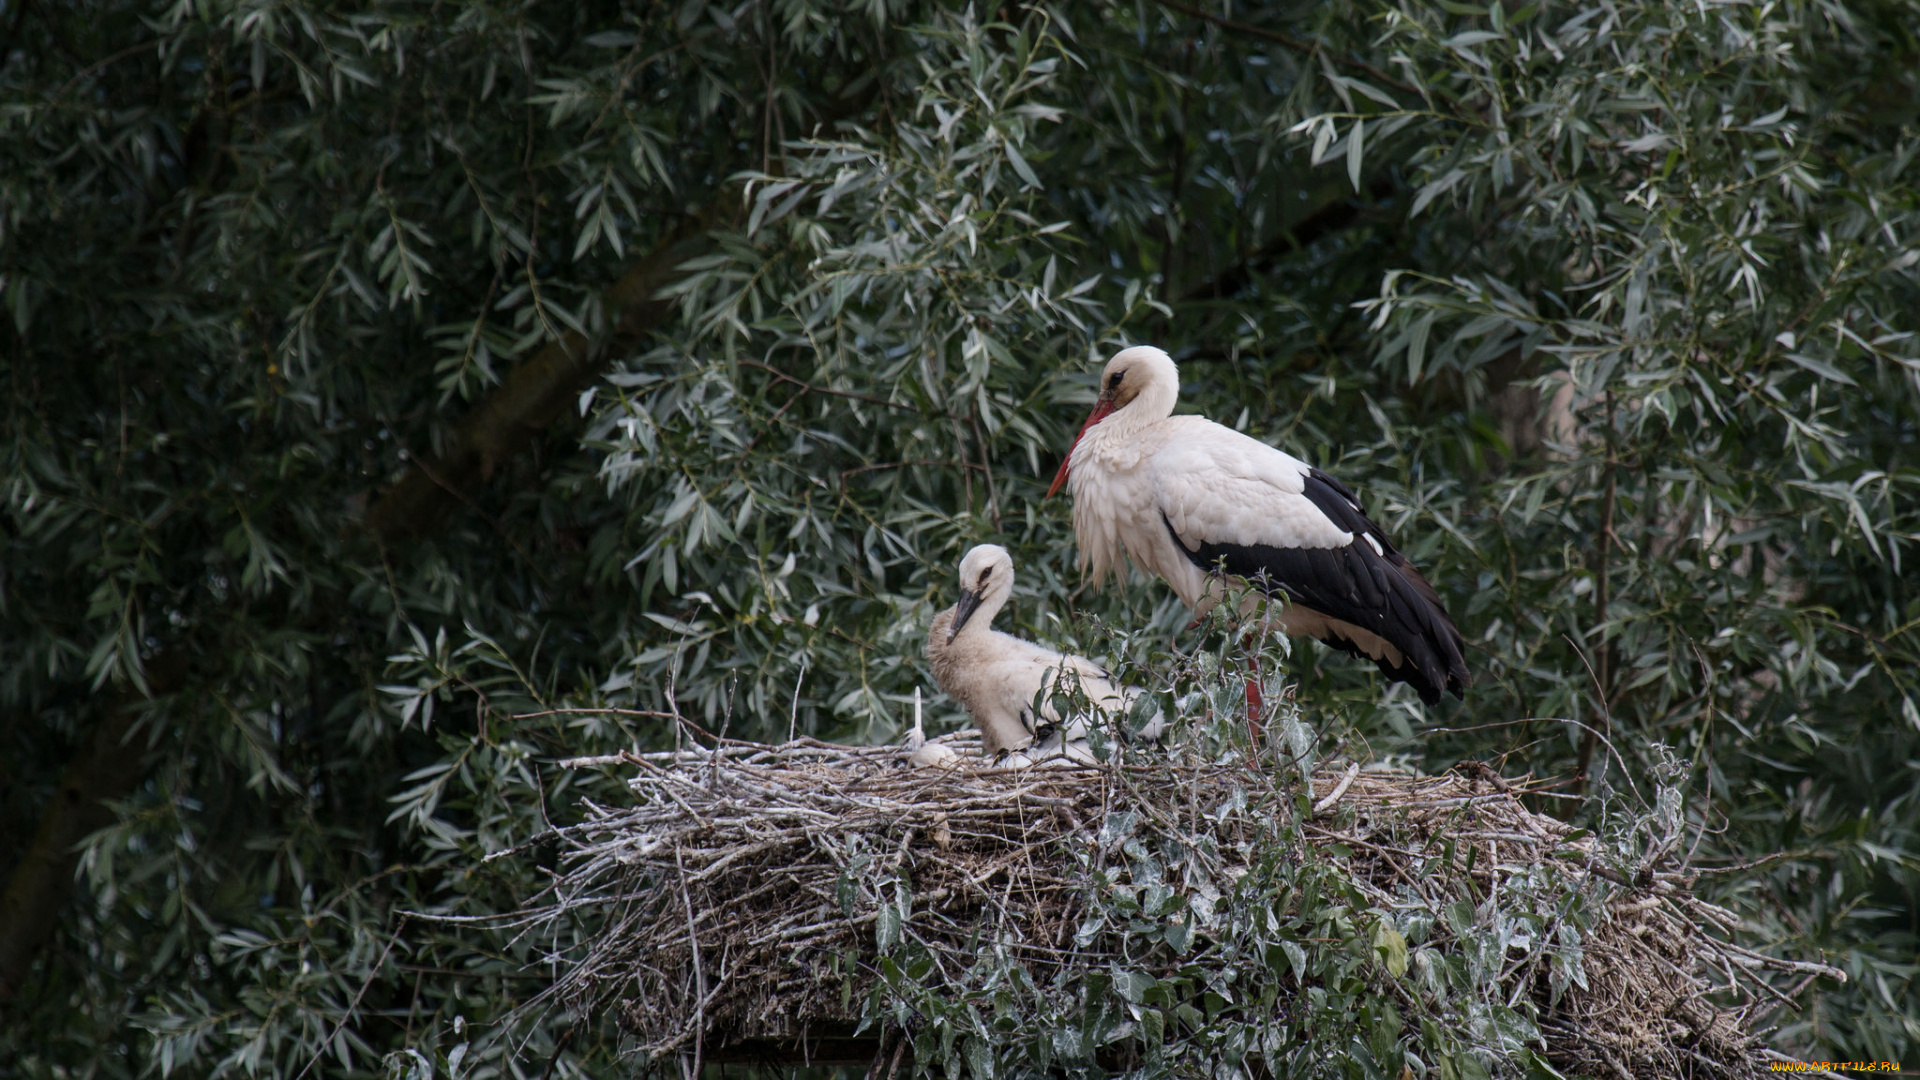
[{"x": 756, "y": 892}]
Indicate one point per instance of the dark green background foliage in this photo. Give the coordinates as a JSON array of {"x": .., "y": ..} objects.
[{"x": 1606, "y": 310}]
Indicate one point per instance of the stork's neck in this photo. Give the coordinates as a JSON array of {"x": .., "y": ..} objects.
[
  {"x": 1128, "y": 424},
  {"x": 980, "y": 626}
]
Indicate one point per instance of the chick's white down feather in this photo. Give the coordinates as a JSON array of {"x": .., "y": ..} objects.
[{"x": 997, "y": 677}]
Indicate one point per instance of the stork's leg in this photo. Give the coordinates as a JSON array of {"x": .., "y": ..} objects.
[{"x": 1254, "y": 699}]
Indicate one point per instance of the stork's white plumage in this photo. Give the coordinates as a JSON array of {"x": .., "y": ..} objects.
[
  {"x": 998, "y": 677},
  {"x": 1199, "y": 504}
]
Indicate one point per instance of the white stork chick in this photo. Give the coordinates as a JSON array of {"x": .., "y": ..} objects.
[
  {"x": 1194, "y": 502},
  {"x": 997, "y": 676}
]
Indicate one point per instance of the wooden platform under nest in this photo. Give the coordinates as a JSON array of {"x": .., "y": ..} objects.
[{"x": 756, "y": 903}]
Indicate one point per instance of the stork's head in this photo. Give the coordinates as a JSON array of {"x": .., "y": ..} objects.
[
  {"x": 1140, "y": 370},
  {"x": 986, "y": 580}
]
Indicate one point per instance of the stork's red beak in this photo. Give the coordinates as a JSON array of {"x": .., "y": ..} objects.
[{"x": 1101, "y": 410}]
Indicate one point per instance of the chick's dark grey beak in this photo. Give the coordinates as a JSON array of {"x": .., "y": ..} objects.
[{"x": 962, "y": 611}]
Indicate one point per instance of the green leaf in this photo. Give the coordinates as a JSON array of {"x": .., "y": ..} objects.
[
  {"x": 1355, "y": 139},
  {"x": 1469, "y": 38},
  {"x": 1391, "y": 948},
  {"x": 1020, "y": 166}
]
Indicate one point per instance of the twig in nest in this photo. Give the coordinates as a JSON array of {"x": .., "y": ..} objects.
[{"x": 1333, "y": 797}]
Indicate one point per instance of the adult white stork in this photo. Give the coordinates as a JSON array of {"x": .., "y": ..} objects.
[
  {"x": 1197, "y": 504},
  {"x": 998, "y": 677}
]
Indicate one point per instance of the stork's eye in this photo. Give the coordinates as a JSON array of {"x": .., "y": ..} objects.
[
  {"x": 985, "y": 574},
  {"x": 1115, "y": 381}
]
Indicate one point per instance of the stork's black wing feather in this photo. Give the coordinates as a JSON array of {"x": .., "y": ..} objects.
[{"x": 1377, "y": 591}]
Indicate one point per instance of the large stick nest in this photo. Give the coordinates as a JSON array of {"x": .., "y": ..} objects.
[{"x": 740, "y": 901}]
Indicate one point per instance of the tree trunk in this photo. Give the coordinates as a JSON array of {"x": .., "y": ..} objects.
[{"x": 105, "y": 768}]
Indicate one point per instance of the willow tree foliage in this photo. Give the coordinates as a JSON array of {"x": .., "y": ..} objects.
[{"x": 385, "y": 377}]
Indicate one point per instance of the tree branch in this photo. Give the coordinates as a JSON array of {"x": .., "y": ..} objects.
[
  {"x": 104, "y": 769},
  {"x": 1330, "y": 218},
  {"x": 1604, "y": 652},
  {"x": 1300, "y": 45},
  {"x": 809, "y": 388},
  {"x": 539, "y": 390}
]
